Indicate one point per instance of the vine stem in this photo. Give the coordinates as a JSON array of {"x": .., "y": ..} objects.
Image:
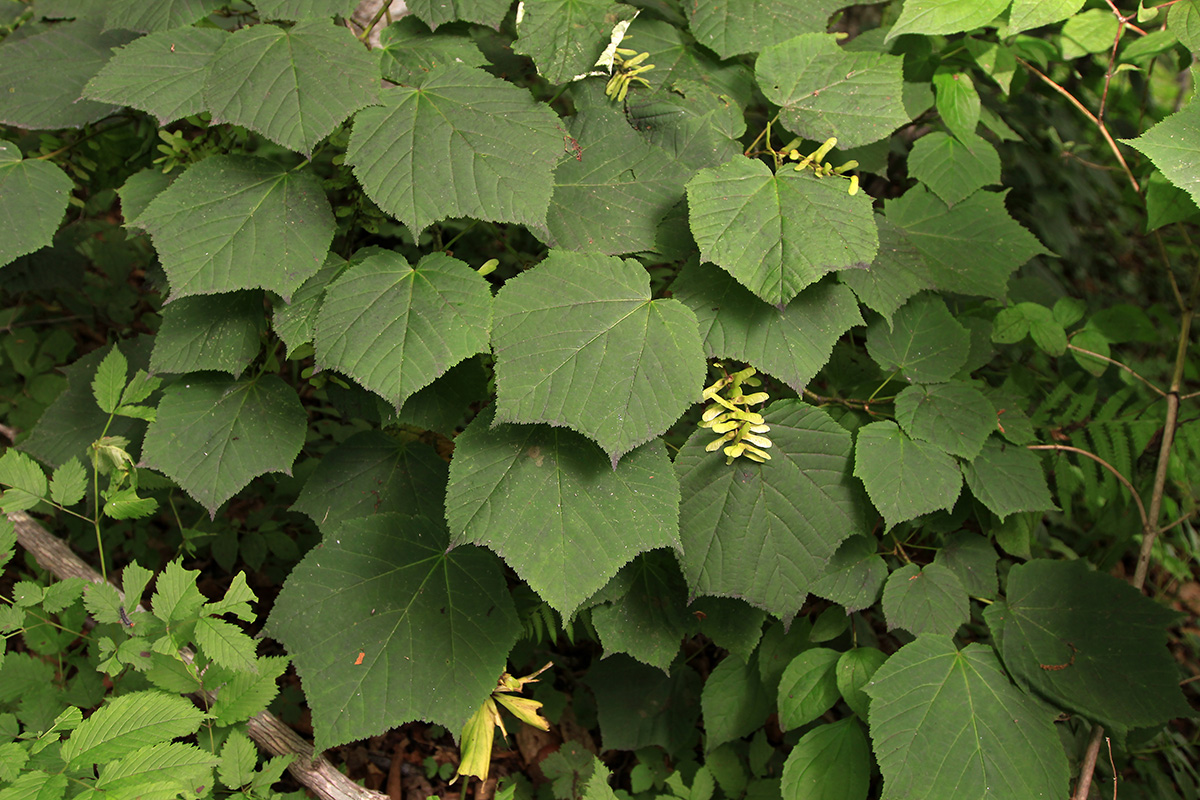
[
  {"x": 1119, "y": 365},
  {"x": 1147, "y": 524}
]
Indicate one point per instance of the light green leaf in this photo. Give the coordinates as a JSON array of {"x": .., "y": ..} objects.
[
  {"x": 161, "y": 74},
  {"x": 163, "y": 15},
  {"x": 929, "y": 599},
  {"x": 303, "y": 9},
  {"x": 855, "y": 668},
  {"x": 1174, "y": 147},
  {"x": 226, "y": 644},
  {"x": 813, "y": 80},
  {"x": 1008, "y": 479},
  {"x": 42, "y": 76},
  {"x": 945, "y": 16},
  {"x": 213, "y": 435},
  {"x": 973, "y": 559},
  {"x": 764, "y": 532},
  {"x": 1092, "y": 31},
  {"x": 648, "y": 618},
  {"x": 954, "y": 416},
  {"x": 958, "y": 104},
  {"x": 1183, "y": 20},
  {"x": 127, "y": 723},
  {"x": 236, "y": 222},
  {"x": 551, "y": 504},
  {"x": 792, "y": 344},
  {"x": 169, "y": 768},
  {"x": 1066, "y": 630},
  {"x": 176, "y": 598},
  {"x": 433, "y": 626},
  {"x": 925, "y": 342},
  {"x": 438, "y": 12},
  {"x": 126, "y": 504},
  {"x": 63, "y": 593},
  {"x": 247, "y": 693},
  {"x": 33, "y": 197},
  {"x": 579, "y": 343},
  {"x": 23, "y": 479},
  {"x": 408, "y": 50},
  {"x": 109, "y": 381},
  {"x": 611, "y": 193},
  {"x": 734, "y": 701},
  {"x": 103, "y": 602},
  {"x": 734, "y": 27},
  {"x": 1028, "y": 14},
  {"x": 904, "y": 477},
  {"x": 942, "y": 726},
  {"x": 954, "y": 167},
  {"x": 395, "y": 328},
  {"x": 444, "y": 148},
  {"x": 808, "y": 687},
  {"x": 565, "y": 38},
  {"x": 854, "y": 576},
  {"x": 210, "y": 332},
  {"x": 370, "y": 473},
  {"x": 778, "y": 233},
  {"x": 830, "y": 762},
  {"x": 35, "y": 785},
  {"x": 239, "y": 757},
  {"x": 293, "y": 86},
  {"x": 897, "y": 273}
]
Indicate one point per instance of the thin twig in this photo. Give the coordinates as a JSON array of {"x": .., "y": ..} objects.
[
  {"x": 1089, "y": 764},
  {"x": 1117, "y": 473},
  {"x": 1130, "y": 370},
  {"x": 1108, "y": 742}
]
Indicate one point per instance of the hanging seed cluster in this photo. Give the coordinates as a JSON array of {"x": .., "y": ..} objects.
[{"x": 740, "y": 429}]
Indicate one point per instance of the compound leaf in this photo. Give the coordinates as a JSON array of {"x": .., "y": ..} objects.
[
  {"x": 213, "y": 434},
  {"x": 954, "y": 416},
  {"x": 550, "y": 503},
  {"x": 1008, "y": 479},
  {"x": 942, "y": 724},
  {"x": 565, "y": 38},
  {"x": 792, "y": 344},
  {"x": 236, "y": 222},
  {"x": 812, "y": 79},
  {"x": 293, "y": 86},
  {"x": 210, "y": 332},
  {"x": 929, "y": 599},
  {"x": 925, "y": 341},
  {"x": 777, "y": 233},
  {"x": 42, "y": 77},
  {"x": 394, "y": 328},
  {"x": 951, "y": 168},
  {"x": 161, "y": 74},
  {"x": 765, "y": 532},
  {"x": 444, "y": 147},
  {"x": 33, "y": 198},
  {"x": 579, "y": 343},
  {"x": 24, "y": 479},
  {"x": 128, "y": 723},
  {"x": 248, "y": 693},
  {"x": 904, "y": 477},
  {"x": 163, "y": 15},
  {"x": 387, "y": 625},
  {"x": 1066, "y": 630}
]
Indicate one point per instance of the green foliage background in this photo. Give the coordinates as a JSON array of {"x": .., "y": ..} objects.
[{"x": 421, "y": 335}]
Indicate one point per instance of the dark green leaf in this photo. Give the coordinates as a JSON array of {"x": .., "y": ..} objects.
[
  {"x": 764, "y": 532},
  {"x": 1067, "y": 631},
  {"x": 213, "y": 435},
  {"x": 942, "y": 726},
  {"x": 955, "y": 416},
  {"x": 438, "y": 12},
  {"x": 973, "y": 559},
  {"x": 579, "y": 343},
  {"x": 648, "y": 620},
  {"x": 33, "y": 197},
  {"x": 1007, "y": 479},
  {"x": 676, "y": 59},
  {"x": 958, "y": 104},
  {"x": 792, "y": 344},
  {"x": 42, "y": 76},
  {"x": 395, "y": 328},
  {"x": 551, "y": 504},
  {"x": 293, "y": 86},
  {"x": 734, "y": 702},
  {"x": 303, "y": 9},
  {"x": 808, "y": 688},
  {"x": 898, "y": 272},
  {"x": 855, "y": 668},
  {"x": 777, "y": 233},
  {"x": 235, "y": 222},
  {"x": 854, "y": 575},
  {"x": 945, "y": 16},
  {"x": 929, "y": 599},
  {"x": 730, "y": 623},
  {"x": 697, "y": 126},
  {"x": 971, "y": 248},
  {"x": 954, "y": 169},
  {"x": 812, "y": 79},
  {"x": 433, "y": 627},
  {"x": 444, "y": 148},
  {"x": 140, "y": 189},
  {"x": 296, "y": 322},
  {"x": 408, "y": 50},
  {"x": 830, "y": 762},
  {"x": 161, "y": 74},
  {"x": 925, "y": 342},
  {"x": 904, "y": 477},
  {"x": 565, "y": 38},
  {"x": 210, "y": 332},
  {"x": 162, "y": 15},
  {"x": 372, "y": 473},
  {"x": 639, "y": 707},
  {"x": 733, "y": 27},
  {"x": 445, "y": 404}
]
